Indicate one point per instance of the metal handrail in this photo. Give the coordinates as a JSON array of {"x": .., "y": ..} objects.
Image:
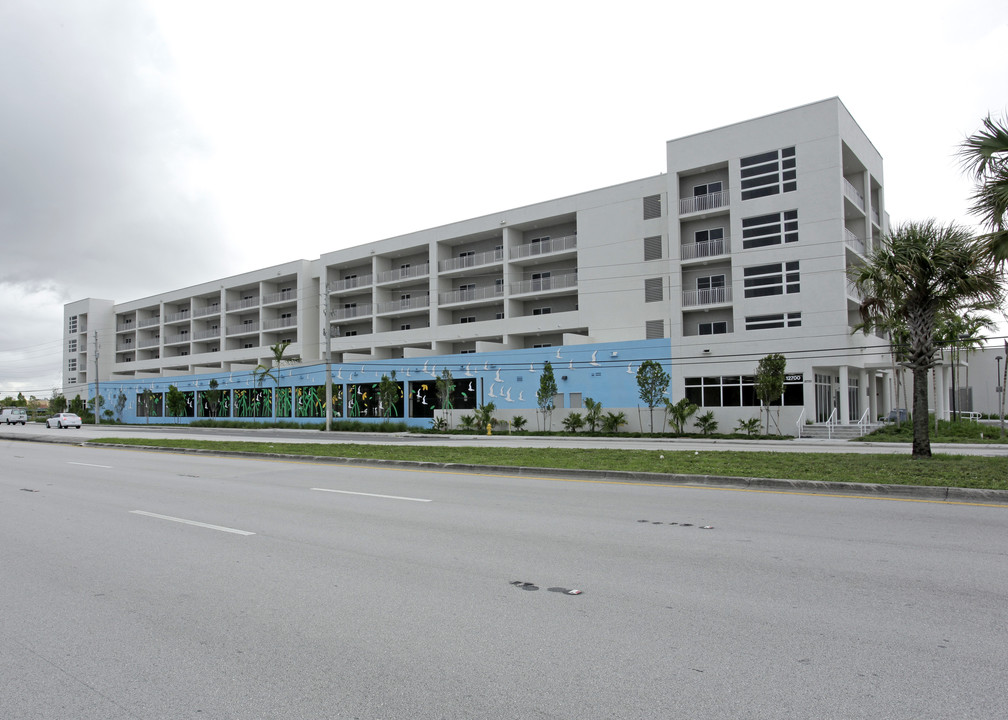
[
  {"x": 863, "y": 422},
  {"x": 831, "y": 422},
  {"x": 801, "y": 419}
]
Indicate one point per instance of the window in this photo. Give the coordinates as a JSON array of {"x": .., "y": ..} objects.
[
  {"x": 652, "y": 207},
  {"x": 541, "y": 280},
  {"x": 467, "y": 287},
  {"x": 404, "y": 326},
  {"x": 542, "y": 310},
  {"x": 769, "y": 173},
  {"x": 652, "y": 248},
  {"x": 764, "y": 230},
  {"x": 542, "y": 345},
  {"x": 738, "y": 391},
  {"x": 127, "y": 358},
  {"x": 286, "y": 316},
  {"x": 350, "y": 333},
  {"x": 72, "y": 380},
  {"x": 467, "y": 254},
  {"x": 349, "y": 306},
  {"x": 469, "y": 351},
  {"x": 770, "y": 322},
  {"x": 72, "y": 365},
  {"x": 653, "y": 291},
  {"x": 499, "y": 316},
  {"x": 72, "y": 324},
  {"x": 498, "y": 285},
  {"x": 654, "y": 329},
  {"x": 72, "y": 346},
  {"x": 404, "y": 270},
  {"x": 127, "y": 341},
  {"x": 707, "y": 188},
  {"x": 710, "y": 235},
  {"x": 184, "y": 352},
  {"x": 248, "y": 345},
  {"x": 771, "y": 279},
  {"x": 214, "y": 348},
  {"x": 467, "y": 319},
  {"x": 404, "y": 300},
  {"x": 712, "y": 328}
]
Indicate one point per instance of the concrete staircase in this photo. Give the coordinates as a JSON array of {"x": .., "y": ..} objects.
[{"x": 819, "y": 431}]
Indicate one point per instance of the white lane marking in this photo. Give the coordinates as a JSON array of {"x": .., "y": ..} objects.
[
  {"x": 387, "y": 497},
  {"x": 107, "y": 467},
  {"x": 192, "y": 522}
]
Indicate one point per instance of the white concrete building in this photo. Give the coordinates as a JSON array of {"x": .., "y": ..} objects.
[{"x": 740, "y": 249}]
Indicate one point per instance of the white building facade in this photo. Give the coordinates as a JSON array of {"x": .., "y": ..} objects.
[{"x": 739, "y": 250}]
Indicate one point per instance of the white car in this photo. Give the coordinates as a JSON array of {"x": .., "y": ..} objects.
[{"x": 64, "y": 420}]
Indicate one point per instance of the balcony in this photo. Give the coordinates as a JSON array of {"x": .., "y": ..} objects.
[
  {"x": 404, "y": 305},
  {"x": 206, "y": 311},
  {"x": 471, "y": 261},
  {"x": 703, "y": 203},
  {"x": 277, "y": 323},
  {"x": 248, "y": 328},
  {"x": 126, "y": 327},
  {"x": 120, "y": 347},
  {"x": 855, "y": 243},
  {"x": 548, "y": 246},
  {"x": 149, "y": 322},
  {"x": 709, "y": 296},
  {"x": 555, "y": 282},
  {"x": 705, "y": 249},
  {"x": 176, "y": 317},
  {"x": 206, "y": 334},
  {"x": 875, "y": 216},
  {"x": 279, "y": 297},
  {"x": 854, "y": 195},
  {"x": 454, "y": 297},
  {"x": 243, "y": 304},
  {"x": 148, "y": 342},
  {"x": 351, "y": 283},
  {"x": 409, "y": 272},
  {"x": 177, "y": 339},
  {"x": 362, "y": 310}
]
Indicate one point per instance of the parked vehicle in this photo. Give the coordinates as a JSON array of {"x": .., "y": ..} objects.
[
  {"x": 13, "y": 416},
  {"x": 897, "y": 415},
  {"x": 64, "y": 420}
]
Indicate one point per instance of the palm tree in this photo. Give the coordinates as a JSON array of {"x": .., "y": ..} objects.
[
  {"x": 918, "y": 272},
  {"x": 262, "y": 372},
  {"x": 985, "y": 156}
]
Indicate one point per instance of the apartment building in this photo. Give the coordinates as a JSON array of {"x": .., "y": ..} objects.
[{"x": 740, "y": 249}]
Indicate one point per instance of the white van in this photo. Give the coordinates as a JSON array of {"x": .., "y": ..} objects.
[{"x": 14, "y": 416}]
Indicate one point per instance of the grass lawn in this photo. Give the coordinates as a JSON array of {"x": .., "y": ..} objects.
[{"x": 941, "y": 470}]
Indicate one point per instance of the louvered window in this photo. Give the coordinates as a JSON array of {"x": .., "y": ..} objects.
[
  {"x": 652, "y": 207},
  {"x": 654, "y": 329},
  {"x": 652, "y": 248},
  {"x": 653, "y": 290}
]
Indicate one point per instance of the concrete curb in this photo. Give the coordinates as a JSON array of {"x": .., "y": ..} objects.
[{"x": 905, "y": 492}]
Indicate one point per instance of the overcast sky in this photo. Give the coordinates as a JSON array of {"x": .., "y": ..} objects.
[{"x": 147, "y": 145}]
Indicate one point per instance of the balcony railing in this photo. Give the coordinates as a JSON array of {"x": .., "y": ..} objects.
[
  {"x": 351, "y": 283},
  {"x": 544, "y": 247},
  {"x": 126, "y": 327},
  {"x": 400, "y": 305},
  {"x": 149, "y": 322},
  {"x": 243, "y": 329},
  {"x": 206, "y": 334},
  {"x": 282, "y": 296},
  {"x": 473, "y": 295},
  {"x": 854, "y": 242},
  {"x": 709, "y": 296},
  {"x": 176, "y": 317},
  {"x": 475, "y": 260},
  {"x": 705, "y": 249},
  {"x": 703, "y": 203},
  {"x": 853, "y": 194},
  {"x": 363, "y": 309},
  {"x": 404, "y": 273},
  {"x": 148, "y": 342},
  {"x": 206, "y": 310},
  {"x": 243, "y": 304},
  {"x": 177, "y": 339},
  {"x": 275, "y": 323},
  {"x": 875, "y": 216},
  {"x": 125, "y": 346},
  {"x": 555, "y": 282}
]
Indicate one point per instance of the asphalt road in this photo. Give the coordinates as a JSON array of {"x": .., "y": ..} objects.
[
  {"x": 39, "y": 431},
  {"x": 318, "y": 591}
]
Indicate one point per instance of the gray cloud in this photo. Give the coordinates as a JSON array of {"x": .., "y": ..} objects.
[{"x": 94, "y": 150}]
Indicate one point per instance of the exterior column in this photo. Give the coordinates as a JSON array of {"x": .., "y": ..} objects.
[
  {"x": 873, "y": 412},
  {"x": 940, "y": 402},
  {"x": 843, "y": 413}
]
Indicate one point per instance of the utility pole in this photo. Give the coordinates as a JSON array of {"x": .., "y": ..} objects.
[
  {"x": 328, "y": 359},
  {"x": 96, "y": 392}
]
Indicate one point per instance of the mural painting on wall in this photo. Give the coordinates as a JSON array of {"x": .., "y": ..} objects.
[
  {"x": 310, "y": 401},
  {"x": 253, "y": 402},
  {"x": 363, "y": 401},
  {"x": 207, "y": 408},
  {"x": 424, "y": 401},
  {"x": 155, "y": 408},
  {"x": 190, "y": 404},
  {"x": 284, "y": 400}
]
